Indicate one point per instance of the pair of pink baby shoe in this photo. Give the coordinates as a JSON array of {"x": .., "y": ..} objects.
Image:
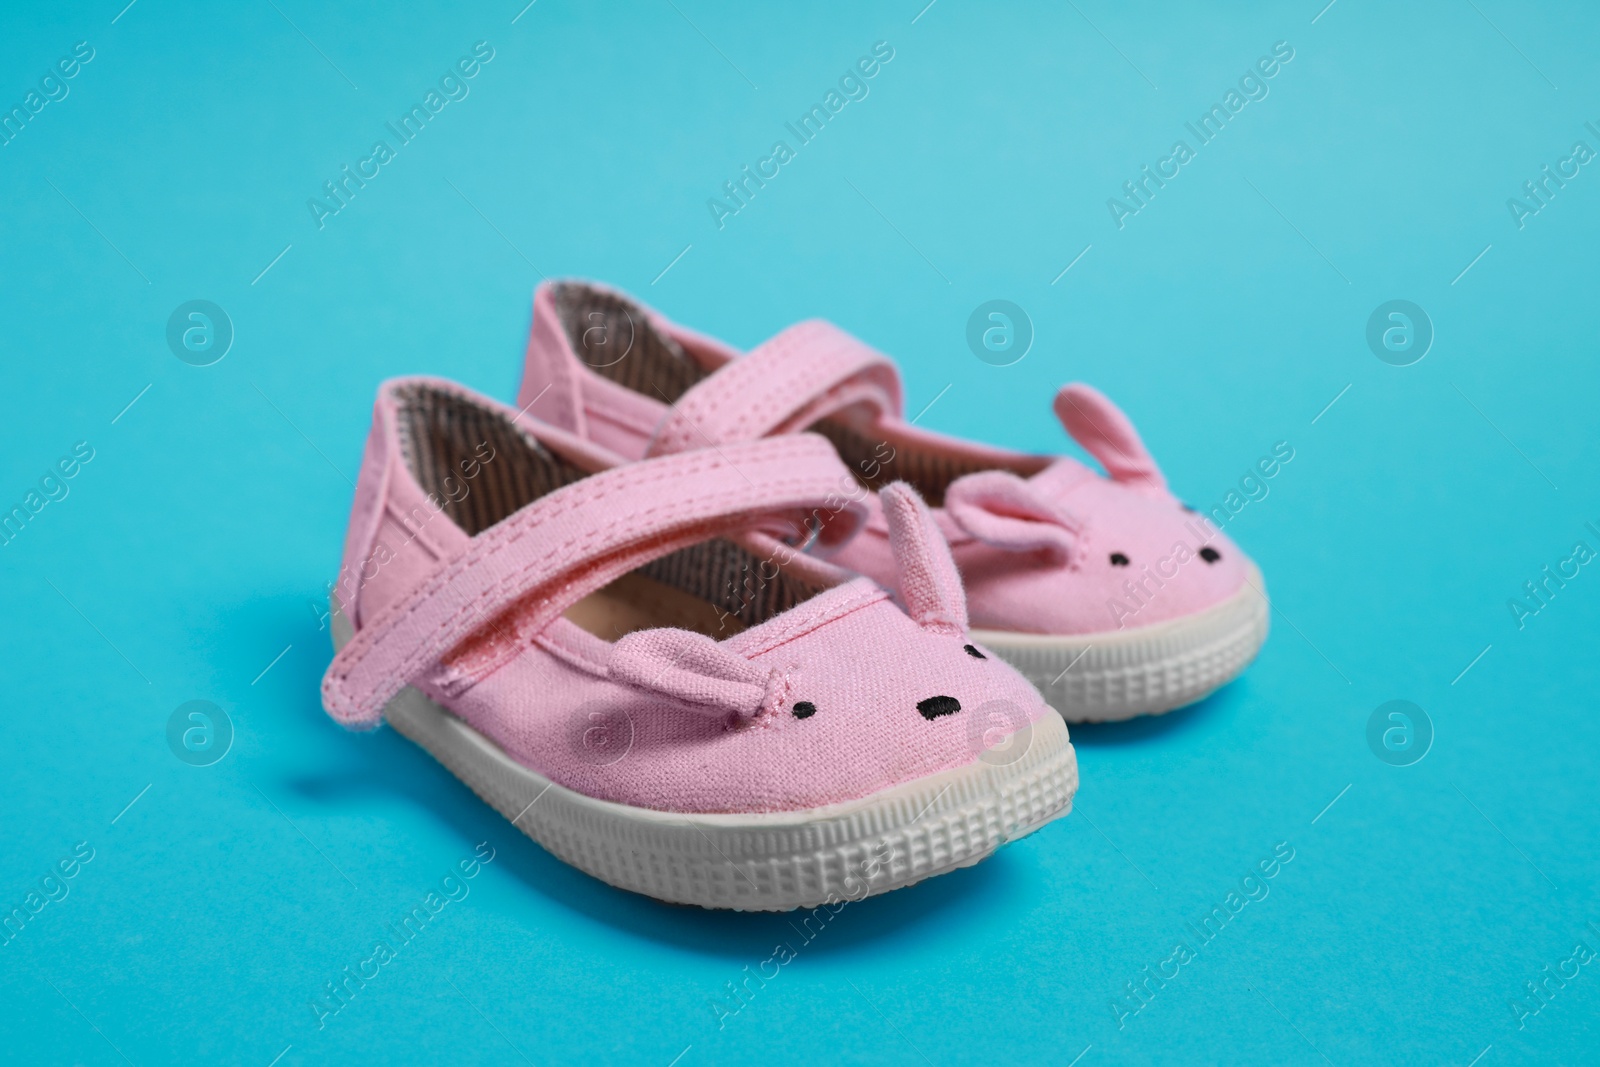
[{"x": 727, "y": 630}]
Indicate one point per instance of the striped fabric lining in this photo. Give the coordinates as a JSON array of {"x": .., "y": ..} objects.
[
  {"x": 444, "y": 436},
  {"x": 658, "y": 367},
  {"x": 929, "y": 472},
  {"x": 601, "y": 325},
  {"x": 734, "y": 581}
]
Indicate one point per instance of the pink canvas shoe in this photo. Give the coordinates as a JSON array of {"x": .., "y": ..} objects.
[
  {"x": 1102, "y": 589},
  {"x": 634, "y": 666}
]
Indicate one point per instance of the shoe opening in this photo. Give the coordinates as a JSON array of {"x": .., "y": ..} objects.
[
  {"x": 480, "y": 468},
  {"x": 615, "y": 338}
]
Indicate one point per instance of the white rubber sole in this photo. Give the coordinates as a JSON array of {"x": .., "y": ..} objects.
[
  {"x": 1119, "y": 674},
  {"x": 763, "y": 862}
]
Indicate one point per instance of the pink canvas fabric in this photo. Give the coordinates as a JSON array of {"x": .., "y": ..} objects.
[
  {"x": 818, "y": 703},
  {"x": 1044, "y": 545}
]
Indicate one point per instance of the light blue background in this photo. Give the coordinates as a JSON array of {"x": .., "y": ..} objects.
[{"x": 1224, "y": 318}]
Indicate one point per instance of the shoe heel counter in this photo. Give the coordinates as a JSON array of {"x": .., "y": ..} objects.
[
  {"x": 366, "y": 511},
  {"x": 399, "y": 531},
  {"x": 550, "y": 389}
]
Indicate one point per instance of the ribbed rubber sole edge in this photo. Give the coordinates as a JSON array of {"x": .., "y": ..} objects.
[
  {"x": 764, "y": 862},
  {"x": 1118, "y": 675}
]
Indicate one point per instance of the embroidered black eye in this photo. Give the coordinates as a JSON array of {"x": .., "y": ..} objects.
[
  {"x": 973, "y": 652},
  {"x": 1209, "y": 554},
  {"x": 1118, "y": 559},
  {"x": 934, "y": 707},
  {"x": 804, "y": 709}
]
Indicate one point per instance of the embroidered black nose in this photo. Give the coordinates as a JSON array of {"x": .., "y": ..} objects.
[
  {"x": 1118, "y": 559},
  {"x": 934, "y": 707},
  {"x": 804, "y": 709},
  {"x": 1209, "y": 554},
  {"x": 972, "y": 651}
]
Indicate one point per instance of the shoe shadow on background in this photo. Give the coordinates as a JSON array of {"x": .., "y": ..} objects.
[
  {"x": 356, "y": 768},
  {"x": 1171, "y": 726},
  {"x": 387, "y": 764}
]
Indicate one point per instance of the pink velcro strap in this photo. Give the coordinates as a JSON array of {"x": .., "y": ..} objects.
[
  {"x": 1105, "y": 432},
  {"x": 805, "y": 373},
  {"x": 571, "y": 542}
]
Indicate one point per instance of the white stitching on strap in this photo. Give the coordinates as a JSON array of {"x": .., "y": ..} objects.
[
  {"x": 612, "y": 522},
  {"x": 804, "y": 373}
]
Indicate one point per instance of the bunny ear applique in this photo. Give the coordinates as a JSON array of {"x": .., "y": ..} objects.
[
  {"x": 1106, "y": 434},
  {"x": 929, "y": 581},
  {"x": 695, "y": 669},
  {"x": 1005, "y": 510},
  {"x": 1002, "y": 510}
]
